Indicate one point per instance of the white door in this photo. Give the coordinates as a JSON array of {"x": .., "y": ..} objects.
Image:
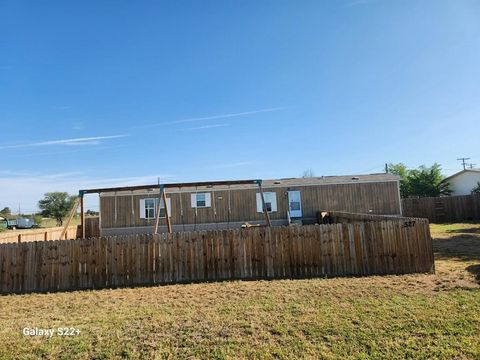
[{"x": 294, "y": 204}]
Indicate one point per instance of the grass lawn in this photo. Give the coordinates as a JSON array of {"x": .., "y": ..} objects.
[
  {"x": 46, "y": 223},
  {"x": 411, "y": 316},
  {"x": 49, "y": 223}
]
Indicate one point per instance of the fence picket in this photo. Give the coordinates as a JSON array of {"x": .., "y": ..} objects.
[
  {"x": 352, "y": 247},
  {"x": 443, "y": 209}
]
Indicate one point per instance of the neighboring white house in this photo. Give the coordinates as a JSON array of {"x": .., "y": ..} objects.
[{"x": 464, "y": 181}]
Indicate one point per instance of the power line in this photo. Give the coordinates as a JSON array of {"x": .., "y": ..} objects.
[
  {"x": 371, "y": 169},
  {"x": 463, "y": 162}
]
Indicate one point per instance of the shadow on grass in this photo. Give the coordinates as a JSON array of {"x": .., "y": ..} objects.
[
  {"x": 475, "y": 270},
  {"x": 464, "y": 247},
  {"x": 474, "y": 230}
]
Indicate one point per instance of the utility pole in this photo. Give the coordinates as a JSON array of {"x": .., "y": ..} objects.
[
  {"x": 471, "y": 165},
  {"x": 463, "y": 162},
  {"x": 386, "y": 168}
]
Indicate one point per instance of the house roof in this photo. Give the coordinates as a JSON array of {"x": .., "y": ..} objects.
[
  {"x": 239, "y": 184},
  {"x": 322, "y": 180},
  {"x": 462, "y": 172}
]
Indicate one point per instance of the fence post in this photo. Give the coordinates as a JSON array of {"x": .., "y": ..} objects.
[
  {"x": 19, "y": 238},
  {"x": 45, "y": 236}
]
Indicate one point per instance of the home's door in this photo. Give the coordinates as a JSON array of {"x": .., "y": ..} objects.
[{"x": 295, "y": 204}]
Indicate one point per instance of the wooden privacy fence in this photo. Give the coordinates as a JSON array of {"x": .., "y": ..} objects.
[
  {"x": 443, "y": 209},
  {"x": 346, "y": 217},
  {"x": 92, "y": 227},
  {"x": 37, "y": 235},
  {"x": 382, "y": 247}
]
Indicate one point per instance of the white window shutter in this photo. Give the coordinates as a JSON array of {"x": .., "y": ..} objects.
[
  {"x": 208, "y": 199},
  {"x": 169, "y": 207},
  {"x": 142, "y": 209},
  {"x": 270, "y": 197},
  {"x": 193, "y": 197},
  {"x": 259, "y": 203},
  {"x": 156, "y": 207},
  {"x": 273, "y": 200},
  {"x": 162, "y": 205}
]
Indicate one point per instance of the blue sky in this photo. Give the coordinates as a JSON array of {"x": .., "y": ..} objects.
[{"x": 101, "y": 93}]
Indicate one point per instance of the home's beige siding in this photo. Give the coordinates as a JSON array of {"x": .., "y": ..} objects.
[{"x": 123, "y": 210}]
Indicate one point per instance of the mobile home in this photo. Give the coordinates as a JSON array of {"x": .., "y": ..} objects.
[{"x": 229, "y": 204}]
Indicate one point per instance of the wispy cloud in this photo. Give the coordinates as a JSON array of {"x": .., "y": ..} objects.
[
  {"x": 14, "y": 173},
  {"x": 216, "y": 117},
  {"x": 77, "y": 141},
  {"x": 75, "y": 150},
  {"x": 212, "y": 126},
  {"x": 225, "y": 116},
  {"x": 91, "y": 142},
  {"x": 62, "y": 175},
  {"x": 37, "y": 175},
  {"x": 34, "y": 185},
  {"x": 61, "y": 107}
]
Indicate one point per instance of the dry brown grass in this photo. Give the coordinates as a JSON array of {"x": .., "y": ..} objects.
[{"x": 421, "y": 316}]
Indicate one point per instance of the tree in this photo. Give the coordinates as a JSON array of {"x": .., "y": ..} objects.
[
  {"x": 308, "y": 173},
  {"x": 37, "y": 218},
  {"x": 401, "y": 170},
  {"x": 476, "y": 189},
  {"x": 56, "y": 205},
  {"x": 428, "y": 181},
  {"x": 5, "y": 211},
  {"x": 422, "y": 182}
]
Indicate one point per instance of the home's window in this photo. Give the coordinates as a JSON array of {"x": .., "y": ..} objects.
[
  {"x": 150, "y": 208},
  {"x": 201, "y": 200},
  {"x": 162, "y": 210},
  {"x": 294, "y": 205},
  {"x": 270, "y": 201},
  {"x": 268, "y": 205}
]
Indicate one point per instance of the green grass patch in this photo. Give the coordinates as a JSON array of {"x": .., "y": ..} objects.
[
  {"x": 456, "y": 227},
  {"x": 420, "y": 316}
]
